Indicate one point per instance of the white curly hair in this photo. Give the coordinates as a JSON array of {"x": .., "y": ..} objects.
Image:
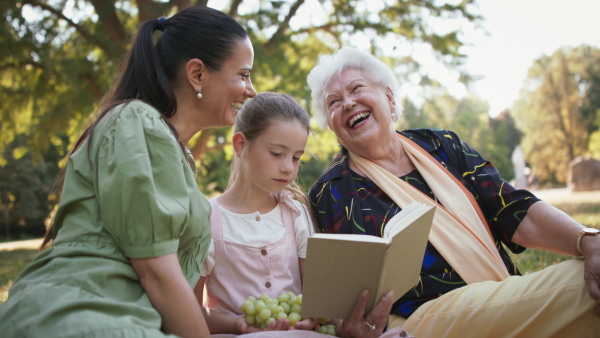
[{"x": 333, "y": 64}]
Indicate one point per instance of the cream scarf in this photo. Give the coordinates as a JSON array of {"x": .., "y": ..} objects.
[{"x": 459, "y": 231}]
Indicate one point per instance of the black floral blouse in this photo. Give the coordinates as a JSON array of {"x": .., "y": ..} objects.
[{"x": 344, "y": 202}]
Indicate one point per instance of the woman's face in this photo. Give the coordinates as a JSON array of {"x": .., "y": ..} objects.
[
  {"x": 225, "y": 90},
  {"x": 359, "y": 109}
]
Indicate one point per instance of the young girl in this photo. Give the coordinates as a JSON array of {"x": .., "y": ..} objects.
[{"x": 260, "y": 225}]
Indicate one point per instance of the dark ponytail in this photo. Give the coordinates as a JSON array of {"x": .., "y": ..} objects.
[
  {"x": 150, "y": 69},
  {"x": 151, "y": 65},
  {"x": 142, "y": 76}
]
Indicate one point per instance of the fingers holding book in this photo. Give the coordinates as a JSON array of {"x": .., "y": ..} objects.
[{"x": 371, "y": 325}]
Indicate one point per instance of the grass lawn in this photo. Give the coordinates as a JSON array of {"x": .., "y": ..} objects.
[
  {"x": 583, "y": 207},
  {"x": 12, "y": 263}
]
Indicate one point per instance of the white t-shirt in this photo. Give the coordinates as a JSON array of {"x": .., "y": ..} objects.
[{"x": 258, "y": 229}]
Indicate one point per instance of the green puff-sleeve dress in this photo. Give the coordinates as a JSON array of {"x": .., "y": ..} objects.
[{"x": 135, "y": 196}]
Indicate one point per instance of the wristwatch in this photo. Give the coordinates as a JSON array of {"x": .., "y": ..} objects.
[{"x": 585, "y": 232}]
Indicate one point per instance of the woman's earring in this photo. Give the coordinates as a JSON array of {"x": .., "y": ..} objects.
[
  {"x": 199, "y": 95},
  {"x": 394, "y": 117}
]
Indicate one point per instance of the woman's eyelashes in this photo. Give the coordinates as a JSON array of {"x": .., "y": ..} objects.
[
  {"x": 332, "y": 102},
  {"x": 336, "y": 101}
]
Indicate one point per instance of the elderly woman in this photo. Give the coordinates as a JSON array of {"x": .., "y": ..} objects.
[{"x": 469, "y": 286}]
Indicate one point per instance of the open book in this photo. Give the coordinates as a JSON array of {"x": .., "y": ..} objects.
[{"x": 339, "y": 266}]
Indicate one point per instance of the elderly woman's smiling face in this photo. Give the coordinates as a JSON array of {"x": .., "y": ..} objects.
[{"x": 359, "y": 109}]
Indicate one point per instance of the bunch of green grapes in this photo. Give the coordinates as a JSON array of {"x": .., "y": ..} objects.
[
  {"x": 323, "y": 327},
  {"x": 265, "y": 310}
]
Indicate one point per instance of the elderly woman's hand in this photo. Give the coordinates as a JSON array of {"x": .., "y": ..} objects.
[
  {"x": 371, "y": 325},
  {"x": 591, "y": 275}
]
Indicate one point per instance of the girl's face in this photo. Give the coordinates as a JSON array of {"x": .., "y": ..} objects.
[
  {"x": 273, "y": 157},
  {"x": 359, "y": 110},
  {"x": 226, "y": 90}
]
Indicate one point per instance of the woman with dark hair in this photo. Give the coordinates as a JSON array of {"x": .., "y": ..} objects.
[{"x": 132, "y": 229}]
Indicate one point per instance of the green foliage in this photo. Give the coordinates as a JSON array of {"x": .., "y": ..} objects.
[
  {"x": 59, "y": 67},
  {"x": 558, "y": 110},
  {"x": 310, "y": 171},
  {"x": 213, "y": 167},
  {"x": 594, "y": 148},
  {"x": 58, "y": 58},
  {"x": 590, "y": 109},
  {"x": 24, "y": 190},
  {"x": 494, "y": 139}
]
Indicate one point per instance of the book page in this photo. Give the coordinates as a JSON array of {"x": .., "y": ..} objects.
[
  {"x": 405, "y": 255},
  {"x": 352, "y": 237},
  {"x": 402, "y": 219}
]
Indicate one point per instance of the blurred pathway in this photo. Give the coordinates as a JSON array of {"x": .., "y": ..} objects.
[
  {"x": 565, "y": 195},
  {"x": 27, "y": 244}
]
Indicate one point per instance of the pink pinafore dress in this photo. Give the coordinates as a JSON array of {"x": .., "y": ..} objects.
[{"x": 242, "y": 270}]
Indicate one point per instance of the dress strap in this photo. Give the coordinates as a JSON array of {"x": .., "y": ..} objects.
[{"x": 288, "y": 219}]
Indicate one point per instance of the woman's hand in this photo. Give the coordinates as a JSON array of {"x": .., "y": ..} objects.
[
  {"x": 371, "y": 325},
  {"x": 590, "y": 247}
]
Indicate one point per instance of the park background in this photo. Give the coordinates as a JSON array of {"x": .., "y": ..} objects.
[{"x": 504, "y": 75}]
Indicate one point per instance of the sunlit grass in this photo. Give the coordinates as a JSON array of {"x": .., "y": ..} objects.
[
  {"x": 13, "y": 262},
  {"x": 532, "y": 260}
]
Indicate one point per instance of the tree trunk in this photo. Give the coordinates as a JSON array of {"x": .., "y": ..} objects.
[{"x": 6, "y": 218}]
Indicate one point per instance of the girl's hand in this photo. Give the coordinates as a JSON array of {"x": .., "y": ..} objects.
[
  {"x": 306, "y": 324},
  {"x": 279, "y": 325},
  {"x": 242, "y": 326}
]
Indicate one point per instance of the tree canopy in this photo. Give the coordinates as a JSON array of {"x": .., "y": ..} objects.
[
  {"x": 559, "y": 111},
  {"x": 494, "y": 138},
  {"x": 58, "y": 58}
]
